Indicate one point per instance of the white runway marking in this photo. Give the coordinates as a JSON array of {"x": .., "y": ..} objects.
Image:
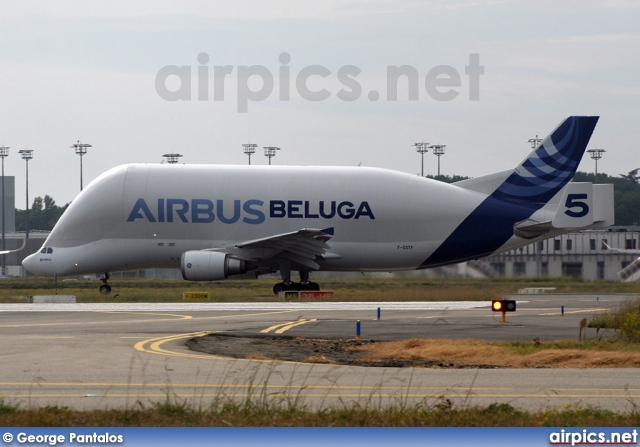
[{"x": 226, "y": 307}]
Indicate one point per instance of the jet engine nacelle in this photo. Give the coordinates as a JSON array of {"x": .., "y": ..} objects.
[{"x": 212, "y": 265}]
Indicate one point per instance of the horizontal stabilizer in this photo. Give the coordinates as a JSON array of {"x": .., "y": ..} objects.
[
  {"x": 582, "y": 205},
  {"x": 604, "y": 212},
  {"x": 530, "y": 229},
  {"x": 576, "y": 207}
]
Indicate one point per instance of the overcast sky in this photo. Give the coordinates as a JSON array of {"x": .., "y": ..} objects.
[{"x": 106, "y": 73}]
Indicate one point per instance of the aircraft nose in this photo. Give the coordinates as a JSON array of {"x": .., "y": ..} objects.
[{"x": 30, "y": 263}]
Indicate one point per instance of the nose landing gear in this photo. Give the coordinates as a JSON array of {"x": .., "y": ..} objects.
[{"x": 105, "y": 288}]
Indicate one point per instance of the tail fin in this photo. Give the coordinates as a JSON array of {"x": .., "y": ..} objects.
[
  {"x": 551, "y": 165},
  {"x": 514, "y": 196}
]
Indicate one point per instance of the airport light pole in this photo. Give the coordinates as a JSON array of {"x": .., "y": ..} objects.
[
  {"x": 27, "y": 154},
  {"x": 438, "y": 149},
  {"x": 535, "y": 142},
  {"x": 4, "y": 152},
  {"x": 270, "y": 152},
  {"x": 81, "y": 149},
  {"x": 249, "y": 149},
  {"x": 596, "y": 154},
  {"x": 422, "y": 148},
  {"x": 172, "y": 159}
]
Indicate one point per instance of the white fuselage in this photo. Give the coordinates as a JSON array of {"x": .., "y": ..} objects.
[
  {"x": 145, "y": 215},
  {"x": 218, "y": 221}
]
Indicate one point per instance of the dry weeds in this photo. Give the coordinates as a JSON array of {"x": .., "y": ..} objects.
[
  {"x": 474, "y": 352},
  {"x": 259, "y": 356},
  {"x": 320, "y": 359}
]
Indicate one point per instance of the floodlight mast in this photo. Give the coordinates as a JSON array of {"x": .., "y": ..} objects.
[
  {"x": 270, "y": 152},
  {"x": 596, "y": 154},
  {"x": 438, "y": 149},
  {"x": 26, "y": 154},
  {"x": 81, "y": 149},
  {"x": 422, "y": 148},
  {"x": 172, "y": 159},
  {"x": 4, "y": 152},
  {"x": 249, "y": 149},
  {"x": 535, "y": 142}
]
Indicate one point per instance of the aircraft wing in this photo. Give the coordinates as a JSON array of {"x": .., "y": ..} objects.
[
  {"x": 4, "y": 252},
  {"x": 621, "y": 250},
  {"x": 302, "y": 246}
]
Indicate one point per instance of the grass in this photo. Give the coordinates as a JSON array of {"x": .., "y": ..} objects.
[
  {"x": 174, "y": 413},
  {"x": 361, "y": 289},
  {"x": 625, "y": 320}
]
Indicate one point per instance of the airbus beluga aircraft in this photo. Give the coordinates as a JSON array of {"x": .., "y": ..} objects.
[{"x": 218, "y": 222}]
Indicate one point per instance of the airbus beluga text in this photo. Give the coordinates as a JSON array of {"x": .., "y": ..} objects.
[{"x": 218, "y": 222}]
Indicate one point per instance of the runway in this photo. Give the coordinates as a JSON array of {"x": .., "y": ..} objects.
[{"x": 133, "y": 355}]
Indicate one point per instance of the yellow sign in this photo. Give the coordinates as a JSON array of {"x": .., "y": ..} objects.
[{"x": 196, "y": 296}]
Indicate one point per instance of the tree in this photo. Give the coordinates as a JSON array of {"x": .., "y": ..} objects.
[
  {"x": 632, "y": 175},
  {"x": 43, "y": 215},
  {"x": 447, "y": 178}
]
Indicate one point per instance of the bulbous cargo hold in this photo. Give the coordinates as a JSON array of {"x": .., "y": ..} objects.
[{"x": 217, "y": 222}]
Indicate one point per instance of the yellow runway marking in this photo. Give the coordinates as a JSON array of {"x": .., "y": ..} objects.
[
  {"x": 597, "y": 301},
  {"x": 322, "y": 395},
  {"x": 576, "y": 311},
  {"x": 286, "y": 326},
  {"x": 155, "y": 345},
  {"x": 335, "y": 391},
  {"x": 49, "y": 336},
  {"x": 475, "y": 391},
  {"x": 180, "y": 317}
]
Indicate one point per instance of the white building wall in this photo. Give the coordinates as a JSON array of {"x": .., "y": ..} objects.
[{"x": 580, "y": 254}]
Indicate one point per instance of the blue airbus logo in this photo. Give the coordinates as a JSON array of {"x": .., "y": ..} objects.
[{"x": 247, "y": 211}]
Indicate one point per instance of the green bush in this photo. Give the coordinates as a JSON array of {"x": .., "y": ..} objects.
[{"x": 625, "y": 319}]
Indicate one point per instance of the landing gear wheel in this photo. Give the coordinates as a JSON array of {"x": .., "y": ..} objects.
[
  {"x": 287, "y": 285},
  {"x": 105, "y": 288},
  {"x": 305, "y": 284}
]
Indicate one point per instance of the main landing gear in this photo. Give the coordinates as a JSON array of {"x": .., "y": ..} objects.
[
  {"x": 105, "y": 288},
  {"x": 287, "y": 285}
]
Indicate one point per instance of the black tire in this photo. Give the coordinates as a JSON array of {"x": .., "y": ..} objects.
[
  {"x": 105, "y": 289},
  {"x": 280, "y": 287}
]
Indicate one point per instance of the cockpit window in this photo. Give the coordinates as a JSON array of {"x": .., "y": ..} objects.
[{"x": 46, "y": 250}]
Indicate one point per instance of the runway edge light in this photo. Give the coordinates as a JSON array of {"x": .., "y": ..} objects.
[{"x": 503, "y": 305}]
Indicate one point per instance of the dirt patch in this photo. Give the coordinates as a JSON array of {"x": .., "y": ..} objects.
[
  {"x": 417, "y": 352},
  {"x": 307, "y": 350}
]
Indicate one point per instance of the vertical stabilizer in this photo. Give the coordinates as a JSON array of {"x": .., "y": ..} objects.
[{"x": 532, "y": 184}]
